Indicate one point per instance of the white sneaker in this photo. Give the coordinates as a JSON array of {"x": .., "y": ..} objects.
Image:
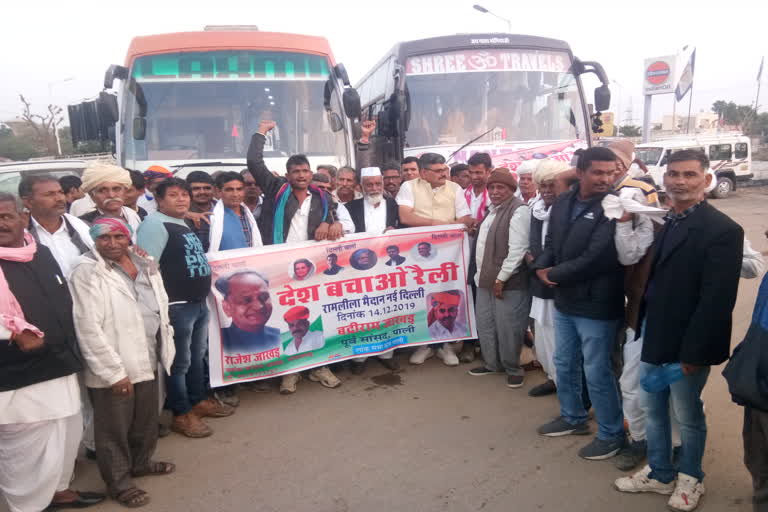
[
  {"x": 422, "y": 353},
  {"x": 447, "y": 354},
  {"x": 640, "y": 482},
  {"x": 687, "y": 493}
]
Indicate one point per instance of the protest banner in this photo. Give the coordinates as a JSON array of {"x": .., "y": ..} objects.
[{"x": 281, "y": 309}]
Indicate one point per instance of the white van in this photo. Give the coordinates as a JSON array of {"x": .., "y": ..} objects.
[
  {"x": 730, "y": 157},
  {"x": 12, "y": 172}
]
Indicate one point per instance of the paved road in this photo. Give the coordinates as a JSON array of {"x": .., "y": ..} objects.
[{"x": 428, "y": 439}]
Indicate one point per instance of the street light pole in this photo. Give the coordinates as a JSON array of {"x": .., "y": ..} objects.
[
  {"x": 482, "y": 9},
  {"x": 55, "y": 124}
]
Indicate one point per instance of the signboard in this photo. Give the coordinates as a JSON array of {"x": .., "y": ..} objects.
[
  {"x": 469, "y": 61},
  {"x": 659, "y": 75},
  {"x": 282, "y": 309}
]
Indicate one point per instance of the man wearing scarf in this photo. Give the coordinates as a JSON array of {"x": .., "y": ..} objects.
[
  {"x": 298, "y": 212},
  {"x": 106, "y": 184},
  {"x": 232, "y": 223},
  {"x": 503, "y": 302},
  {"x": 543, "y": 297},
  {"x": 40, "y": 411}
]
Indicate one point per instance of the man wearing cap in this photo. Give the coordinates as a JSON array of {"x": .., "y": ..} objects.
[
  {"x": 248, "y": 303},
  {"x": 442, "y": 318},
  {"x": 433, "y": 200},
  {"x": 152, "y": 177},
  {"x": 625, "y": 154},
  {"x": 106, "y": 185},
  {"x": 303, "y": 339},
  {"x": 373, "y": 213},
  {"x": 542, "y": 296},
  {"x": 527, "y": 190},
  {"x": 503, "y": 302}
]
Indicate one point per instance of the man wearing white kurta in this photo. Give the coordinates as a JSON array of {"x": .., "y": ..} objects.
[{"x": 374, "y": 214}]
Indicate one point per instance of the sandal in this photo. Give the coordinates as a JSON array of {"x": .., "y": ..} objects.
[
  {"x": 132, "y": 498},
  {"x": 156, "y": 468}
]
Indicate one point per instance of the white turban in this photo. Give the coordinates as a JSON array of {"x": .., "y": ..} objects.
[
  {"x": 100, "y": 172},
  {"x": 528, "y": 167},
  {"x": 548, "y": 170},
  {"x": 713, "y": 183}
]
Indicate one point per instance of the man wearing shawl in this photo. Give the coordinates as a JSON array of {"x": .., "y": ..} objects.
[
  {"x": 299, "y": 212},
  {"x": 40, "y": 411}
]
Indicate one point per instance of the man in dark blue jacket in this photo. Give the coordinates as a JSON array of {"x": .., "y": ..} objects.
[{"x": 580, "y": 263}]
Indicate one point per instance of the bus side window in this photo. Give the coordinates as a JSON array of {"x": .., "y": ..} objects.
[
  {"x": 741, "y": 150},
  {"x": 720, "y": 152}
]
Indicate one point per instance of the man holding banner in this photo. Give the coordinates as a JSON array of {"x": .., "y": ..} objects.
[{"x": 433, "y": 200}]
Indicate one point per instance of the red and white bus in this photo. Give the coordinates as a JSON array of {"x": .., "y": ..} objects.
[{"x": 193, "y": 99}]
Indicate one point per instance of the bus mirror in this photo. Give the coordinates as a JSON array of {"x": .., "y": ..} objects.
[
  {"x": 108, "y": 109},
  {"x": 139, "y": 128},
  {"x": 351, "y": 101},
  {"x": 602, "y": 98},
  {"x": 114, "y": 71},
  {"x": 335, "y": 121}
]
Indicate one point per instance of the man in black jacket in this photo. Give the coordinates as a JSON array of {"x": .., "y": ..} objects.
[
  {"x": 580, "y": 262},
  {"x": 40, "y": 410},
  {"x": 686, "y": 320}
]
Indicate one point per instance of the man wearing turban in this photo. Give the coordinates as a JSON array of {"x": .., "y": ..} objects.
[
  {"x": 303, "y": 340},
  {"x": 106, "y": 184},
  {"x": 443, "y": 316}
]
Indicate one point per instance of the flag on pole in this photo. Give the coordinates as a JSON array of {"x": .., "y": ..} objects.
[
  {"x": 760, "y": 71},
  {"x": 686, "y": 79}
]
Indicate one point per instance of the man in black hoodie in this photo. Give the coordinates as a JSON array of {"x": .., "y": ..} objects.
[{"x": 580, "y": 263}]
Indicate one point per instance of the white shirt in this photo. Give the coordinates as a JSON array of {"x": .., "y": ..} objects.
[
  {"x": 519, "y": 231},
  {"x": 313, "y": 340},
  {"x": 375, "y": 217},
  {"x": 476, "y": 201},
  {"x": 437, "y": 331},
  {"x": 47, "y": 400},
  {"x": 347, "y": 224},
  {"x": 60, "y": 244},
  {"x": 634, "y": 237},
  {"x": 300, "y": 223},
  {"x": 405, "y": 198},
  {"x": 147, "y": 202},
  {"x": 82, "y": 206}
]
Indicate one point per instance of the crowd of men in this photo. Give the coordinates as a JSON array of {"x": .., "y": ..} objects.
[{"x": 104, "y": 279}]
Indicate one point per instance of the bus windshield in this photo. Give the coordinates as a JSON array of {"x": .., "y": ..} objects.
[
  {"x": 208, "y": 105},
  {"x": 514, "y": 95}
]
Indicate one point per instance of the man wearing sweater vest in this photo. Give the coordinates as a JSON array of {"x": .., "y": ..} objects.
[{"x": 433, "y": 200}]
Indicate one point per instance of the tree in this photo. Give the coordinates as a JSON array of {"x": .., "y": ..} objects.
[
  {"x": 740, "y": 116},
  {"x": 15, "y": 147},
  {"x": 629, "y": 130},
  {"x": 44, "y": 125}
]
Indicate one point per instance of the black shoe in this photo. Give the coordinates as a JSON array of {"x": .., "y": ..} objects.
[
  {"x": 545, "y": 389},
  {"x": 85, "y": 500},
  {"x": 90, "y": 454},
  {"x": 358, "y": 368},
  {"x": 515, "y": 381},
  {"x": 631, "y": 455},
  {"x": 482, "y": 370},
  {"x": 390, "y": 364},
  {"x": 559, "y": 427},
  {"x": 163, "y": 430},
  {"x": 601, "y": 449}
]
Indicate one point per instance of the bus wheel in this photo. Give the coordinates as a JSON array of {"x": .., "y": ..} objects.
[{"x": 724, "y": 187}]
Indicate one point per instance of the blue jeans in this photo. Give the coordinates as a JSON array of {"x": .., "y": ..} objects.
[
  {"x": 588, "y": 343},
  {"x": 186, "y": 383},
  {"x": 685, "y": 395}
]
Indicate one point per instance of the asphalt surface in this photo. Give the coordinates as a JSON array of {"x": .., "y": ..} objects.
[{"x": 429, "y": 438}]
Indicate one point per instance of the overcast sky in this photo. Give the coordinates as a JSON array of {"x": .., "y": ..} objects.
[{"x": 44, "y": 43}]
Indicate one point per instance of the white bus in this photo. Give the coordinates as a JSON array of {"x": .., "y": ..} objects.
[
  {"x": 730, "y": 157},
  {"x": 516, "y": 97}
]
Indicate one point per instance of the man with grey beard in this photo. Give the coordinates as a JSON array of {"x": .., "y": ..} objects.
[{"x": 374, "y": 214}]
